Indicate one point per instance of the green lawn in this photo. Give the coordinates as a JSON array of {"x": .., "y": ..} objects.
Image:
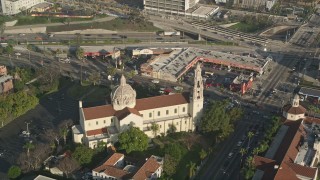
[
  {"x": 88, "y": 93},
  {"x": 30, "y": 20},
  {"x": 243, "y": 27},
  {"x": 117, "y": 24}
]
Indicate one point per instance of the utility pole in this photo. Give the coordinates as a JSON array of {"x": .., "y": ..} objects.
[{"x": 81, "y": 73}]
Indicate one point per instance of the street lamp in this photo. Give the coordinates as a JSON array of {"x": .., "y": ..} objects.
[{"x": 28, "y": 133}]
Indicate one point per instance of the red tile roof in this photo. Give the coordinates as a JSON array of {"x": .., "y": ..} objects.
[
  {"x": 141, "y": 104},
  {"x": 97, "y": 132},
  {"x": 110, "y": 162},
  {"x": 161, "y": 101},
  {"x": 286, "y": 155},
  {"x": 147, "y": 169},
  {"x": 125, "y": 112},
  {"x": 98, "y": 112},
  {"x": 303, "y": 170},
  {"x": 263, "y": 163},
  {"x": 294, "y": 110},
  {"x": 113, "y": 159},
  {"x": 116, "y": 172}
]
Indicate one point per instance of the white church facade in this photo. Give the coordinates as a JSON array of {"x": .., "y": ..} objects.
[{"x": 104, "y": 123}]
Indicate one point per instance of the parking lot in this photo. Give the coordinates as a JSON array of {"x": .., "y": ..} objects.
[{"x": 48, "y": 114}]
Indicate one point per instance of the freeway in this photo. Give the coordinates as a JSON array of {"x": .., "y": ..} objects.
[{"x": 143, "y": 36}]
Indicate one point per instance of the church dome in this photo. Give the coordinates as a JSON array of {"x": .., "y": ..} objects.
[{"x": 123, "y": 96}]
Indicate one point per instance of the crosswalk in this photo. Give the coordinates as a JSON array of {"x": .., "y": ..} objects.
[{"x": 280, "y": 74}]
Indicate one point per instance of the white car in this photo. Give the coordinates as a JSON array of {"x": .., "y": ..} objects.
[
  {"x": 17, "y": 54},
  {"x": 178, "y": 88},
  {"x": 230, "y": 155},
  {"x": 155, "y": 81}
]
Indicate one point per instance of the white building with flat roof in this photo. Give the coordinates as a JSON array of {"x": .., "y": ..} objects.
[{"x": 12, "y": 7}]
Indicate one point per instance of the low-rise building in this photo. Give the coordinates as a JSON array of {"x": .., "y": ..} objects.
[
  {"x": 6, "y": 83},
  {"x": 295, "y": 152},
  {"x": 171, "y": 66},
  {"x": 119, "y": 166},
  {"x": 242, "y": 83},
  {"x": 3, "y": 70}
]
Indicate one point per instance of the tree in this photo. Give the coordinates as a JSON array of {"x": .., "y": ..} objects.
[
  {"x": 215, "y": 117},
  {"x": 130, "y": 74},
  {"x": 250, "y": 135},
  {"x": 111, "y": 71},
  {"x": 175, "y": 150},
  {"x": 64, "y": 132},
  {"x": 83, "y": 154},
  {"x": 155, "y": 128},
  {"x": 172, "y": 128},
  {"x": 79, "y": 53},
  {"x": 192, "y": 169},
  {"x": 9, "y": 49},
  {"x": 190, "y": 140},
  {"x": 203, "y": 154},
  {"x": 28, "y": 146},
  {"x": 235, "y": 114},
  {"x": 2, "y": 28},
  {"x": 95, "y": 78},
  {"x": 67, "y": 165},
  {"x": 243, "y": 151},
  {"x": 169, "y": 165},
  {"x": 64, "y": 129},
  {"x": 133, "y": 140},
  {"x": 14, "y": 172}
]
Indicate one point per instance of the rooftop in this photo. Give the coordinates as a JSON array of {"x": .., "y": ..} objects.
[
  {"x": 288, "y": 152},
  {"x": 309, "y": 92},
  {"x": 133, "y": 171},
  {"x": 178, "y": 61},
  {"x": 5, "y": 78},
  {"x": 141, "y": 104}
]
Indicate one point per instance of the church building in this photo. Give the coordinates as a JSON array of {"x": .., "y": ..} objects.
[{"x": 104, "y": 123}]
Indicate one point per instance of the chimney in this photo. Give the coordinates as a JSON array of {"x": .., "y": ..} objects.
[{"x": 80, "y": 104}]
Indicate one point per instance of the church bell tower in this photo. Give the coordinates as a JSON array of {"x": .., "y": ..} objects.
[{"x": 196, "y": 99}]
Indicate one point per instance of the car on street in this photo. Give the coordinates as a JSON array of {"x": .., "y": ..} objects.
[
  {"x": 17, "y": 54},
  {"x": 155, "y": 81},
  {"x": 239, "y": 143},
  {"x": 230, "y": 155}
]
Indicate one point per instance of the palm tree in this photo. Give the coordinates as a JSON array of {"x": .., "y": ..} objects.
[
  {"x": 28, "y": 146},
  {"x": 203, "y": 154},
  {"x": 95, "y": 78},
  {"x": 64, "y": 132},
  {"x": 172, "y": 128},
  {"x": 192, "y": 169},
  {"x": 250, "y": 135},
  {"x": 79, "y": 51},
  {"x": 155, "y": 128},
  {"x": 243, "y": 151}
]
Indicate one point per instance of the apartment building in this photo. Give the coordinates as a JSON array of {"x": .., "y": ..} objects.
[
  {"x": 12, "y": 7},
  {"x": 174, "y": 6}
]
